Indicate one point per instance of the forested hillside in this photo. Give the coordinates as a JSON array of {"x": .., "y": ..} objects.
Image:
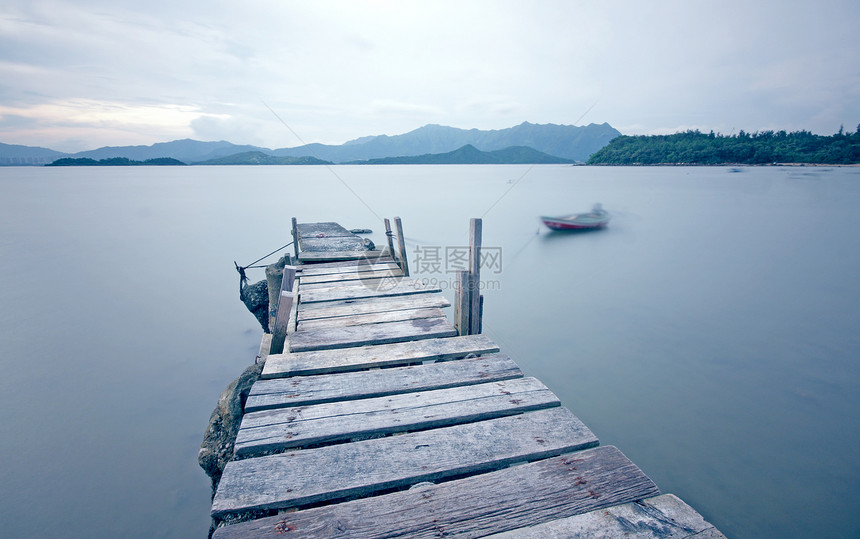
[{"x": 696, "y": 148}]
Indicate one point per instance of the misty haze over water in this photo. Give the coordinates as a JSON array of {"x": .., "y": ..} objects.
[{"x": 710, "y": 332}]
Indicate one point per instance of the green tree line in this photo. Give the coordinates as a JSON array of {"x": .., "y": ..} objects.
[
  {"x": 112, "y": 162},
  {"x": 763, "y": 147}
]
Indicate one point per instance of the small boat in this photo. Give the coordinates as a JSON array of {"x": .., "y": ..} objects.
[{"x": 596, "y": 218}]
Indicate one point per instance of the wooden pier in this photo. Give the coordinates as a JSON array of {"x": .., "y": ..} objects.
[{"x": 375, "y": 416}]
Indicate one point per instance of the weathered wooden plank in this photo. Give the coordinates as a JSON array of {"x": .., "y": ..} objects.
[
  {"x": 292, "y": 324},
  {"x": 303, "y": 426},
  {"x": 374, "y": 257},
  {"x": 371, "y": 334},
  {"x": 326, "y": 256},
  {"x": 494, "y": 502},
  {"x": 279, "y": 331},
  {"x": 664, "y": 516},
  {"x": 384, "y": 280},
  {"x": 303, "y": 390},
  {"x": 337, "y": 268},
  {"x": 325, "y": 229},
  {"x": 382, "y": 355},
  {"x": 327, "y": 244},
  {"x": 350, "y": 276},
  {"x": 361, "y": 468},
  {"x": 370, "y": 288},
  {"x": 285, "y": 305},
  {"x": 371, "y": 318},
  {"x": 351, "y": 307},
  {"x": 265, "y": 347}
]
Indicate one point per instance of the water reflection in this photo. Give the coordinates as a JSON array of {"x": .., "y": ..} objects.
[{"x": 561, "y": 235}]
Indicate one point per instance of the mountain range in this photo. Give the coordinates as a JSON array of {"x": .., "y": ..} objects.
[
  {"x": 574, "y": 143},
  {"x": 17, "y": 155},
  {"x": 469, "y": 155}
]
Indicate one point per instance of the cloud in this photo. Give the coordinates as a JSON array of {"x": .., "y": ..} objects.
[
  {"x": 105, "y": 113},
  {"x": 335, "y": 70},
  {"x": 242, "y": 130},
  {"x": 397, "y": 108},
  {"x": 74, "y": 119}
]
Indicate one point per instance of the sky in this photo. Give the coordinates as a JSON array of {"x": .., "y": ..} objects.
[{"x": 281, "y": 73}]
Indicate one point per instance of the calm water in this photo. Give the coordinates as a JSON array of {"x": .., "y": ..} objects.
[{"x": 711, "y": 333}]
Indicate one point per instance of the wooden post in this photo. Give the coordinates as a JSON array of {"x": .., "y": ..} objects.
[
  {"x": 461, "y": 303},
  {"x": 475, "y": 232},
  {"x": 468, "y": 301},
  {"x": 401, "y": 246},
  {"x": 285, "y": 304},
  {"x": 296, "y": 237},
  {"x": 388, "y": 234},
  {"x": 475, "y": 229},
  {"x": 288, "y": 279}
]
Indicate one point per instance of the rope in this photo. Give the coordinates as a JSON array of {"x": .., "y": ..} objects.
[
  {"x": 243, "y": 279},
  {"x": 268, "y": 255}
]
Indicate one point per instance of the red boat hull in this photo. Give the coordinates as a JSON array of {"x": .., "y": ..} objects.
[{"x": 567, "y": 225}]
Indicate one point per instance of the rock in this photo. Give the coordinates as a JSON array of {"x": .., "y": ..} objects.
[
  {"x": 361, "y": 231},
  {"x": 256, "y": 299},
  {"x": 261, "y": 298},
  {"x": 368, "y": 244},
  {"x": 217, "y": 447}
]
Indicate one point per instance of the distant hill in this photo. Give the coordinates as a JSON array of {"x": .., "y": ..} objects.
[
  {"x": 185, "y": 150},
  {"x": 260, "y": 158},
  {"x": 15, "y": 154},
  {"x": 470, "y": 155},
  {"x": 765, "y": 147},
  {"x": 565, "y": 141},
  {"x": 113, "y": 162}
]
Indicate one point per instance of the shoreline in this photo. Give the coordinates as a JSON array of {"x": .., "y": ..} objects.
[{"x": 721, "y": 165}]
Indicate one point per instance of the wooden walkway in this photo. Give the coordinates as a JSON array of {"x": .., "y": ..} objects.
[{"x": 380, "y": 419}]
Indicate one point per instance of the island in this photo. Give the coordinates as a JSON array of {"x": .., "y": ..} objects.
[{"x": 113, "y": 162}]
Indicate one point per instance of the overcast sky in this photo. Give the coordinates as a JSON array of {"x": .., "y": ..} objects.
[{"x": 82, "y": 74}]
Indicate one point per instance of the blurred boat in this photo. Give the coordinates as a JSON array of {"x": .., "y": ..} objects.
[{"x": 596, "y": 218}]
